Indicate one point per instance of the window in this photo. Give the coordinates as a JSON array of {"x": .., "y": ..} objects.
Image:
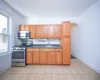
[{"x": 3, "y": 33}]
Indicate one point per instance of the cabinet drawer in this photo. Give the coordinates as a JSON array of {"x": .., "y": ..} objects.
[
  {"x": 35, "y": 49},
  {"x": 29, "y": 49},
  {"x": 47, "y": 49},
  {"x": 58, "y": 49}
]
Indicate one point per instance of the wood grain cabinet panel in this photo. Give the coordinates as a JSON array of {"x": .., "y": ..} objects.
[
  {"x": 36, "y": 57},
  {"x": 66, "y": 50},
  {"x": 43, "y": 57},
  {"x": 21, "y": 28},
  {"x": 59, "y": 57},
  {"x": 28, "y": 57},
  {"x": 32, "y": 31},
  {"x": 57, "y": 31},
  {"x": 38, "y": 31},
  {"x": 66, "y": 29},
  {"x": 51, "y": 57},
  {"x": 26, "y": 27},
  {"x": 45, "y": 31},
  {"x": 52, "y": 32}
]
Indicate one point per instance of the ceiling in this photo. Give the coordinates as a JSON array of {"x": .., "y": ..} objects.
[{"x": 51, "y": 8}]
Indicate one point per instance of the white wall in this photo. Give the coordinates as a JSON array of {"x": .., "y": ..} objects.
[
  {"x": 16, "y": 19},
  {"x": 49, "y": 20},
  {"x": 86, "y": 37}
]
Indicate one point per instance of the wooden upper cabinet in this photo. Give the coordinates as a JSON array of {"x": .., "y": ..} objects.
[
  {"x": 57, "y": 31},
  {"x": 51, "y": 57},
  {"x": 32, "y": 31},
  {"x": 36, "y": 57},
  {"x": 29, "y": 57},
  {"x": 21, "y": 28},
  {"x": 66, "y": 29},
  {"x": 38, "y": 31},
  {"x": 45, "y": 31},
  {"x": 52, "y": 32},
  {"x": 66, "y": 50},
  {"x": 26, "y": 27}
]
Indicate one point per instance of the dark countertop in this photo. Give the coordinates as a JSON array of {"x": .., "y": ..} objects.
[{"x": 43, "y": 47}]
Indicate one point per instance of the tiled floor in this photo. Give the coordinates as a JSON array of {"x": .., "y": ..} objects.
[{"x": 77, "y": 71}]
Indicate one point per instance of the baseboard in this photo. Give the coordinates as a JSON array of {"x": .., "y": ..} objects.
[{"x": 91, "y": 66}]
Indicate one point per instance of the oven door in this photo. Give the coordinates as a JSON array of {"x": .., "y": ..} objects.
[{"x": 18, "y": 56}]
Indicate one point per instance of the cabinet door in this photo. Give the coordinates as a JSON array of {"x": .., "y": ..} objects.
[
  {"x": 45, "y": 31},
  {"x": 66, "y": 29},
  {"x": 51, "y": 32},
  {"x": 51, "y": 57},
  {"x": 57, "y": 31},
  {"x": 21, "y": 28},
  {"x": 32, "y": 31},
  {"x": 36, "y": 57},
  {"x": 66, "y": 50},
  {"x": 59, "y": 56},
  {"x": 38, "y": 31},
  {"x": 26, "y": 28},
  {"x": 28, "y": 57},
  {"x": 43, "y": 57}
]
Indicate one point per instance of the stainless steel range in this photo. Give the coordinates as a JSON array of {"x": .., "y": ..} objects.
[{"x": 18, "y": 56}]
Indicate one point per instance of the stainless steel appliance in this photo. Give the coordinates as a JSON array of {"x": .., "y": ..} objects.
[
  {"x": 18, "y": 56},
  {"x": 23, "y": 34},
  {"x": 27, "y": 43}
]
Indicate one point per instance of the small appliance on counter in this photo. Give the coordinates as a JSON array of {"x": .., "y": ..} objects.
[{"x": 23, "y": 34}]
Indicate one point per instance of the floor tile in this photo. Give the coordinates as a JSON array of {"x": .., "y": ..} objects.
[
  {"x": 60, "y": 71},
  {"x": 54, "y": 77},
  {"x": 47, "y": 77},
  {"x": 47, "y": 70},
  {"x": 54, "y": 71},
  {"x": 85, "y": 77},
  {"x": 94, "y": 77},
  {"x": 77, "y": 77},
  {"x": 39, "y": 77},
  {"x": 32, "y": 77}
]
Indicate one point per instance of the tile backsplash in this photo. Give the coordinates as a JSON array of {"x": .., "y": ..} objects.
[{"x": 45, "y": 41}]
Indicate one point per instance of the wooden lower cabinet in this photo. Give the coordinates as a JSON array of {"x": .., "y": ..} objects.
[
  {"x": 29, "y": 58},
  {"x": 66, "y": 50},
  {"x": 59, "y": 57},
  {"x": 43, "y": 57},
  {"x": 51, "y": 57},
  {"x": 36, "y": 57}
]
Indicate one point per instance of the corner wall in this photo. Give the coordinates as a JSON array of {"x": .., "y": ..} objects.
[
  {"x": 86, "y": 37},
  {"x": 16, "y": 19}
]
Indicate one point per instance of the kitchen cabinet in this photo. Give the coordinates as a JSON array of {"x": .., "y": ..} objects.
[
  {"x": 59, "y": 56},
  {"x": 36, "y": 57},
  {"x": 51, "y": 57},
  {"x": 66, "y": 50},
  {"x": 52, "y": 31},
  {"x": 28, "y": 57},
  {"x": 38, "y": 31},
  {"x": 57, "y": 31},
  {"x": 43, "y": 57},
  {"x": 45, "y": 31},
  {"x": 66, "y": 29},
  {"x": 32, "y": 31},
  {"x": 24, "y": 27},
  {"x": 21, "y": 28}
]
